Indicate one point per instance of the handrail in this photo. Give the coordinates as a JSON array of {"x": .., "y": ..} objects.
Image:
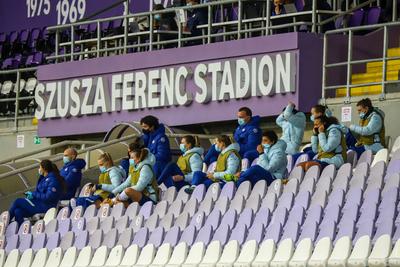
[
  {"x": 121, "y": 40},
  {"x": 53, "y": 146},
  {"x": 95, "y": 147},
  {"x": 349, "y": 62}
]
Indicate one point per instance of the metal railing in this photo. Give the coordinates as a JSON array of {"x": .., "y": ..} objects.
[
  {"x": 64, "y": 143},
  {"x": 350, "y": 62},
  {"x": 84, "y": 150},
  {"x": 150, "y": 38}
]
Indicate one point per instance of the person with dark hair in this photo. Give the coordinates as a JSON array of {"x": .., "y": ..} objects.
[
  {"x": 247, "y": 135},
  {"x": 141, "y": 184},
  {"x": 72, "y": 172},
  {"x": 110, "y": 177},
  {"x": 136, "y": 143},
  {"x": 180, "y": 173},
  {"x": 165, "y": 22},
  {"x": 195, "y": 17},
  {"x": 228, "y": 164},
  {"x": 156, "y": 141},
  {"x": 293, "y": 123},
  {"x": 272, "y": 161},
  {"x": 370, "y": 132},
  {"x": 49, "y": 190},
  {"x": 328, "y": 141}
]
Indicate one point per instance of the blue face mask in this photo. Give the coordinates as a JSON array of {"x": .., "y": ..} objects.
[
  {"x": 217, "y": 148},
  {"x": 66, "y": 160},
  {"x": 132, "y": 162},
  {"x": 312, "y": 118},
  {"x": 241, "y": 121},
  {"x": 157, "y": 17},
  {"x": 266, "y": 146},
  {"x": 103, "y": 169},
  {"x": 362, "y": 114},
  {"x": 182, "y": 148}
]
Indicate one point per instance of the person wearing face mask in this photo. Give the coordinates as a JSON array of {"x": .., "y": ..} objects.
[
  {"x": 195, "y": 17},
  {"x": 319, "y": 110},
  {"x": 165, "y": 22},
  {"x": 180, "y": 173},
  {"x": 293, "y": 123},
  {"x": 328, "y": 142},
  {"x": 228, "y": 164},
  {"x": 110, "y": 177},
  {"x": 371, "y": 129},
  {"x": 247, "y": 135},
  {"x": 49, "y": 190},
  {"x": 141, "y": 185},
  {"x": 72, "y": 172},
  {"x": 137, "y": 143},
  {"x": 156, "y": 141},
  {"x": 272, "y": 161}
]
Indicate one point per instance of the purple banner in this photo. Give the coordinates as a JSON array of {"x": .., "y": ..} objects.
[
  {"x": 301, "y": 51},
  {"x": 17, "y": 15}
]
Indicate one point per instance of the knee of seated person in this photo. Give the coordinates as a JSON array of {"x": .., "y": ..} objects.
[{"x": 129, "y": 191}]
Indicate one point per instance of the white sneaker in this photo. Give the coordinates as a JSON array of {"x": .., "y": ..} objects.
[{"x": 72, "y": 203}]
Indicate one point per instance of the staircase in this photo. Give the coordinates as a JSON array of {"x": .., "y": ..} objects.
[{"x": 374, "y": 74}]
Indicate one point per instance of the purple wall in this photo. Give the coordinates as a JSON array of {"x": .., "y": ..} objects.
[
  {"x": 308, "y": 86},
  {"x": 14, "y": 14}
]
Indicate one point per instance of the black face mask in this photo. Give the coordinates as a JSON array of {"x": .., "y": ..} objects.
[{"x": 146, "y": 131}]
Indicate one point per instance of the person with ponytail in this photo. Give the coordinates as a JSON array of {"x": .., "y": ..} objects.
[
  {"x": 180, "y": 173},
  {"x": 110, "y": 177},
  {"x": 228, "y": 164},
  {"x": 49, "y": 190},
  {"x": 141, "y": 185}
]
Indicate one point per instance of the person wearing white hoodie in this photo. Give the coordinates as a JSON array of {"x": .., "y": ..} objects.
[
  {"x": 180, "y": 173},
  {"x": 228, "y": 164},
  {"x": 141, "y": 185},
  {"x": 272, "y": 161}
]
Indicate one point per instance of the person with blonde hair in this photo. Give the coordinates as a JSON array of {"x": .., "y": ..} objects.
[{"x": 110, "y": 177}]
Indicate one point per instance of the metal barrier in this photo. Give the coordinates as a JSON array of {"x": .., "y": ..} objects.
[
  {"x": 84, "y": 150},
  {"x": 350, "y": 62},
  {"x": 149, "y": 40}
]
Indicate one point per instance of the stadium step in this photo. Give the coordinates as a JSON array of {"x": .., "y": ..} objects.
[{"x": 374, "y": 74}]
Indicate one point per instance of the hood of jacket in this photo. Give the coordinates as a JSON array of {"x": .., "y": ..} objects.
[
  {"x": 77, "y": 164},
  {"x": 279, "y": 145},
  {"x": 233, "y": 146},
  {"x": 198, "y": 150}
]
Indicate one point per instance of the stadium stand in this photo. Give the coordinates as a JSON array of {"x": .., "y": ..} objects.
[{"x": 320, "y": 217}]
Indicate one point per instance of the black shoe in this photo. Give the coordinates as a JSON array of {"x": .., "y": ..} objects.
[{"x": 189, "y": 190}]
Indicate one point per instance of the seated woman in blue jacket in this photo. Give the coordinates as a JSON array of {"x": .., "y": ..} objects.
[
  {"x": 370, "y": 131},
  {"x": 228, "y": 164},
  {"x": 180, "y": 173},
  {"x": 328, "y": 142},
  {"x": 141, "y": 185},
  {"x": 110, "y": 177},
  {"x": 72, "y": 172},
  {"x": 293, "y": 123},
  {"x": 49, "y": 190},
  {"x": 247, "y": 135},
  {"x": 272, "y": 161},
  {"x": 156, "y": 141}
]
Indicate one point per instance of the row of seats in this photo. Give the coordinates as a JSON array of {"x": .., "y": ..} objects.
[
  {"x": 8, "y": 90},
  {"x": 316, "y": 210}
]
